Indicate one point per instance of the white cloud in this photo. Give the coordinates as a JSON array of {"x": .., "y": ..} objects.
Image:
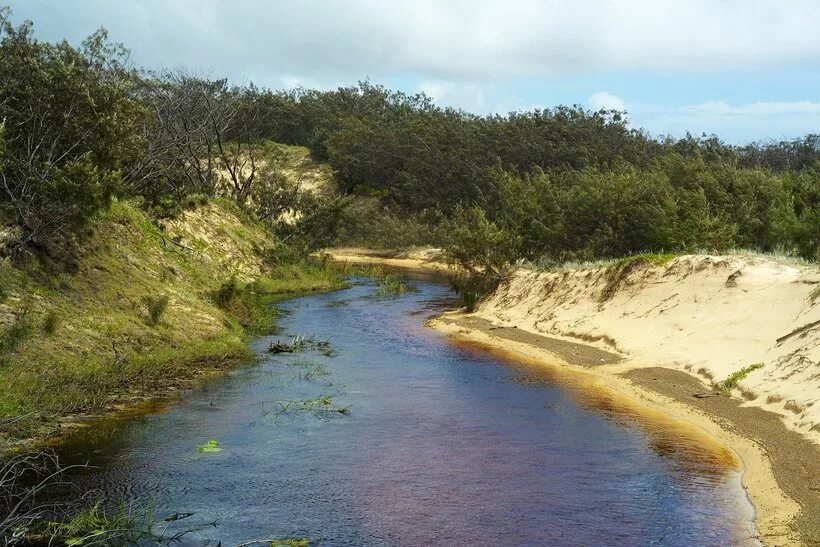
[
  {"x": 735, "y": 123},
  {"x": 606, "y": 101},
  {"x": 461, "y": 95},
  {"x": 459, "y": 39}
]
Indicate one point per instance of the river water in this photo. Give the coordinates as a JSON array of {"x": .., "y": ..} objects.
[{"x": 441, "y": 444}]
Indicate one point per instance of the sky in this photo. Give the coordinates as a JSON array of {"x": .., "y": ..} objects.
[{"x": 746, "y": 70}]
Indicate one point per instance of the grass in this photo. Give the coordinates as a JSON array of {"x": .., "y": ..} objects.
[
  {"x": 321, "y": 407},
  {"x": 156, "y": 306},
  {"x": 732, "y": 380},
  {"x": 814, "y": 294},
  {"x": 141, "y": 315},
  {"x": 393, "y": 285},
  {"x": 16, "y": 333},
  {"x": 307, "y": 369},
  {"x": 51, "y": 322},
  {"x": 97, "y": 525}
]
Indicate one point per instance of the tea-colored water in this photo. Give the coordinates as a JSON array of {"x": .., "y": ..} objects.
[{"x": 442, "y": 445}]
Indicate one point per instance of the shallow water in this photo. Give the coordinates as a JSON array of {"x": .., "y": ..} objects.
[{"x": 442, "y": 444}]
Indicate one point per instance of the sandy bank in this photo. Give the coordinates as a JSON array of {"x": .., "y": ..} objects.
[
  {"x": 709, "y": 316},
  {"x": 419, "y": 259},
  {"x": 780, "y": 466}
]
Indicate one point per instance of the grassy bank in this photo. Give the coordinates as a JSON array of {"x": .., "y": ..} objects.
[{"x": 144, "y": 309}]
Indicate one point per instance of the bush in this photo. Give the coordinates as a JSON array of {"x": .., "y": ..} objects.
[
  {"x": 51, "y": 322},
  {"x": 479, "y": 246},
  {"x": 15, "y": 333},
  {"x": 156, "y": 307}
]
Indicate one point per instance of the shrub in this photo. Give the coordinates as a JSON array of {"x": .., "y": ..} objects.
[
  {"x": 226, "y": 293},
  {"x": 51, "y": 322},
  {"x": 156, "y": 307},
  {"x": 15, "y": 333},
  {"x": 393, "y": 285},
  {"x": 732, "y": 380}
]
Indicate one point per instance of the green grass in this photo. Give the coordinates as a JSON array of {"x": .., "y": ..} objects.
[
  {"x": 732, "y": 380},
  {"x": 654, "y": 259},
  {"x": 140, "y": 315},
  {"x": 97, "y": 525},
  {"x": 393, "y": 285}
]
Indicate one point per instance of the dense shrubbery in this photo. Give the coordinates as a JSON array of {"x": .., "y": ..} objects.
[
  {"x": 79, "y": 125},
  {"x": 562, "y": 183}
]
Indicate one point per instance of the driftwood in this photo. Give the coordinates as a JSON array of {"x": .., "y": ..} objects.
[{"x": 799, "y": 330}]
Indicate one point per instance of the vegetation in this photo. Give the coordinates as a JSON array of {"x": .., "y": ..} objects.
[
  {"x": 393, "y": 285},
  {"x": 727, "y": 385},
  {"x": 321, "y": 407},
  {"x": 211, "y": 447},
  {"x": 300, "y": 343},
  {"x": 152, "y": 220},
  {"x": 116, "y": 334}
]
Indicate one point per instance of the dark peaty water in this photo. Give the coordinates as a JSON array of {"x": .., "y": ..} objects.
[{"x": 442, "y": 445}]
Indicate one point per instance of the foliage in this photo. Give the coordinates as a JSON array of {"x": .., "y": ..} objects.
[
  {"x": 733, "y": 379},
  {"x": 68, "y": 128},
  {"x": 51, "y": 322},
  {"x": 156, "y": 306},
  {"x": 211, "y": 447},
  {"x": 15, "y": 333},
  {"x": 480, "y": 246},
  {"x": 393, "y": 285}
]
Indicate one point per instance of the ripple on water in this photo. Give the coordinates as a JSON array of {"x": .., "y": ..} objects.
[{"x": 443, "y": 444}]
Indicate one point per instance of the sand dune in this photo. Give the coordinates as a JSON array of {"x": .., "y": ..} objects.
[{"x": 709, "y": 316}]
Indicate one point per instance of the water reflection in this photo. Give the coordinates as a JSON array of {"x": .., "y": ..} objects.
[{"x": 443, "y": 444}]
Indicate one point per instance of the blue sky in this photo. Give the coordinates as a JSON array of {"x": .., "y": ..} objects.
[{"x": 745, "y": 70}]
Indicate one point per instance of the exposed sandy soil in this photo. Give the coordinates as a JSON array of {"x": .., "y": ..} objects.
[
  {"x": 710, "y": 316},
  {"x": 418, "y": 259}
]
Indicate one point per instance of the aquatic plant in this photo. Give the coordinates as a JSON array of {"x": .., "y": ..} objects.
[
  {"x": 305, "y": 369},
  {"x": 285, "y": 542},
  {"x": 210, "y": 447},
  {"x": 321, "y": 407},
  {"x": 302, "y": 343},
  {"x": 98, "y": 525},
  {"x": 732, "y": 380},
  {"x": 393, "y": 285}
]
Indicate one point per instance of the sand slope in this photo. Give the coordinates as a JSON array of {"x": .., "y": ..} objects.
[{"x": 706, "y": 315}]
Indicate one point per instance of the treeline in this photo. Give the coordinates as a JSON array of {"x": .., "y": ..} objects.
[
  {"x": 564, "y": 183},
  {"x": 80, "y": 126}
]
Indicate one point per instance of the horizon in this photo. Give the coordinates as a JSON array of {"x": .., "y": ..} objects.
[{"x": 748, "y": 75}]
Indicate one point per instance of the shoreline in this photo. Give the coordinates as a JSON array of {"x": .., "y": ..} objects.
[{"x": 787, "y": 508}]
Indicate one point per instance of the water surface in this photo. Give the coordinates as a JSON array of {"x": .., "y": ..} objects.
[{"x": 442, "y": 445}]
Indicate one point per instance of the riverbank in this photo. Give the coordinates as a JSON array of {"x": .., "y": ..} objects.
[
  {"x": 780, "y": 463},
  {"x": 144, "y": 309}
]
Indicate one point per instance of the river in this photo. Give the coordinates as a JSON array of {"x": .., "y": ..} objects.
[{"x": 404, "y": 438}]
